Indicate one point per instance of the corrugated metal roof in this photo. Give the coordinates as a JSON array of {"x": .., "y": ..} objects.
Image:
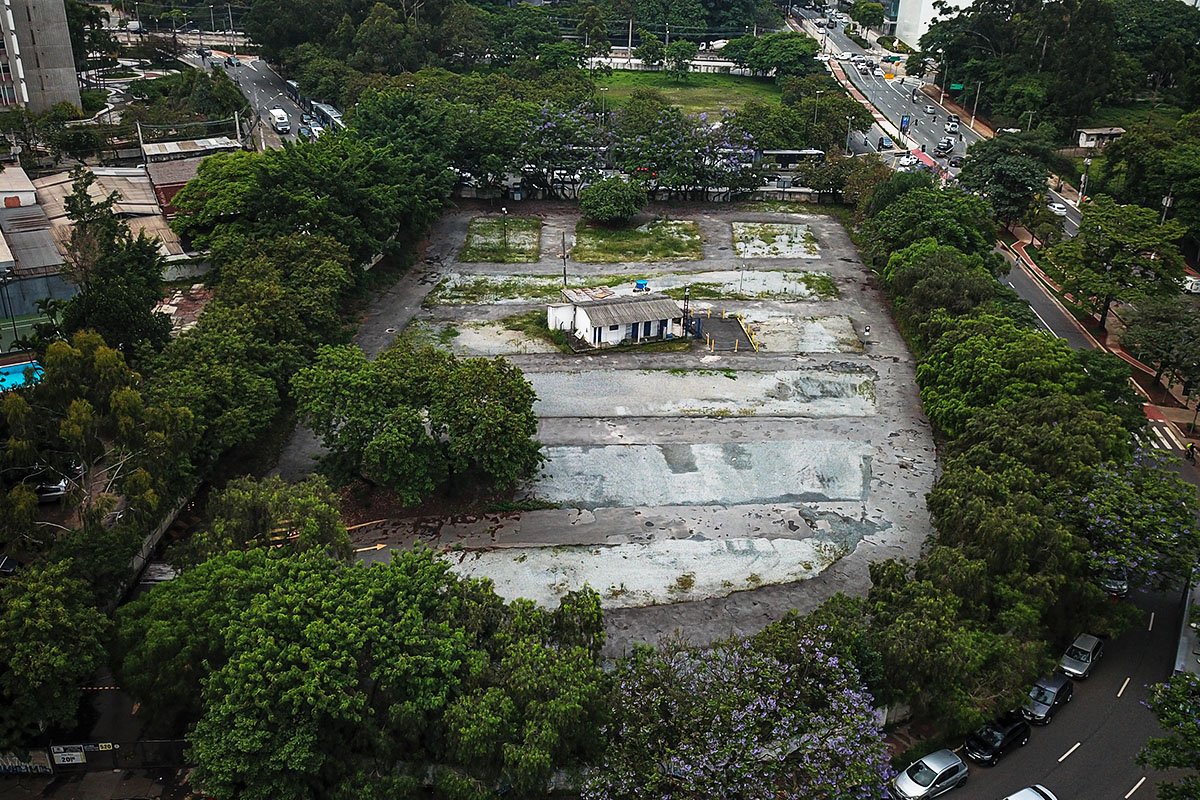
[
  {"x": 171, "y": 173},
  {"x": 135, "y": 194},
  {"x": 14, "y": 179},
  {"x": 29, "y": 236},
  {"x": 625, "y": 310},
  {"x": 190, "y": 147}
]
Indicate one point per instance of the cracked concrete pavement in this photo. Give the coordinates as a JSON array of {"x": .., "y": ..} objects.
[{"x": 700, "y": 494}]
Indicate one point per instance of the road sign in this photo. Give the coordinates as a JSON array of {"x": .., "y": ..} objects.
[
  {"x": 904, "y": 122},
  {"x": 956, "y": 87}
]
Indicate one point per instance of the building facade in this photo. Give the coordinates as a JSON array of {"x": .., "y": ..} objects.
[
  {"x": 600, "y": 318},
  {"x": 913, "y": 18},
  {"x": 37, "y": 66}
]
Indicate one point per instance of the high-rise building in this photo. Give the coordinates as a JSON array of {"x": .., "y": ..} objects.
[
  {"x": 913, "y": 18},
  {"x": 37, "y": 66}
]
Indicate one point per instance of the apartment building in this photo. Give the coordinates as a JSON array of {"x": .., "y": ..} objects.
[{"x": 37, "y": 67}]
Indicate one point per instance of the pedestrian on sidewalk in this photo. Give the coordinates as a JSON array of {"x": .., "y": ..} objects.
[{"x": 1189, "y": 452}]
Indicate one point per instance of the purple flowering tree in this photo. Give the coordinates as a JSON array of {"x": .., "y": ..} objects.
[
  {"x": 735, "y": 722},
  {"x": 1142, "y": 517},
  {"x": 564, "y": 148}
]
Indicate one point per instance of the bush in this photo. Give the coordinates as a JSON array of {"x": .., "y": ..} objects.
[
  {"x": 894, "y": 45},
  {"x": 612, "y": 200},
  {"x": 93, "y": 101}
]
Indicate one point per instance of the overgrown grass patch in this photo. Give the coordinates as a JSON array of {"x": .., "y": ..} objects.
[
  {"x": 700, "y": 93},
  {"x": 532, "y": 323},
  {"x": 465, "y": 290},
  {"x": 774, "y": 240},
  {"x": 660, "y": 240},
  {"x": 1141, "y": 112},
  {"x": 503, "y": 240}
]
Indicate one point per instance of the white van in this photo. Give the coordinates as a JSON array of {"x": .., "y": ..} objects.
[{"x": 280, "y": 121}]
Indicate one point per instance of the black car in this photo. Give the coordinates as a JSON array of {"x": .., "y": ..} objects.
[
  {"x": 1046, "y": 697},
  {"x": 993, "y": 740},
  {"x": 956, "y": 161}
]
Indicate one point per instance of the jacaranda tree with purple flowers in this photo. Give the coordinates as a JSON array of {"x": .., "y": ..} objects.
[
  {"x": 737, "y": 722},
  {"x": 1141, "y": 517}
]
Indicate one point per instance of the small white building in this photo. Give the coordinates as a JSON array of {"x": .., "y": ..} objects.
[
  {"x": 16, "y": 190},
  {"x": 1098, "y": 137},
  {"x": 603, "y": 318}
]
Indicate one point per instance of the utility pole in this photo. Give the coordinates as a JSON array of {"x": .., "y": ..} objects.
[
  {"x": 564, "y": 258},
  {"x": 975, "y": 107},
  {"x": 232, "y": 40},
  {"x": 629, "y": 46}
]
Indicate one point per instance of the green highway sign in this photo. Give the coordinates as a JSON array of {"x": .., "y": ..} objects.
[{"x": 955, "y": 87}]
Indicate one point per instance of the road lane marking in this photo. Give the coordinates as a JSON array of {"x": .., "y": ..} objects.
[
  {"x": 1167, "y": 430},
  {"x": 1123, "y": 685},
  {"x": 1166, "y": 446},
  {"x": 1063, "y": 757},
  {"x": 1151, "y": 622},
  {"x": 1136, "y": 786},
  {"x": 1045, "y": 324}
]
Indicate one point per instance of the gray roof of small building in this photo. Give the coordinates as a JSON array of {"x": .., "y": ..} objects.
[
  {"x": 625, "y": 310},
  {"x": 1102, "y": 131},
  {"x": 28, "y": 233}
]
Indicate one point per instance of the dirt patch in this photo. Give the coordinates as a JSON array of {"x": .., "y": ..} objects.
[{"x": 774, "y": 240}]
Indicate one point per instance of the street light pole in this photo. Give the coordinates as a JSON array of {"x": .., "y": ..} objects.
[
  {"x": 11, "y": 311},
  {"x": 847, "y": 134}
]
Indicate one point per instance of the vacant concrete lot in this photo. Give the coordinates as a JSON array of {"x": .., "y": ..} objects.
[{"x": 702, "y": 493}]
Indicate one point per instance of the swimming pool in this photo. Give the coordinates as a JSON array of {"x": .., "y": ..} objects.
[{"x": 13, "y": 375}]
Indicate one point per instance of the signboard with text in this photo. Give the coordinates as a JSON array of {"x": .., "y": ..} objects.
[{"x": 36, "y": 763}]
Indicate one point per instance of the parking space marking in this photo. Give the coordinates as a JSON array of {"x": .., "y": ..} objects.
[
  {"x": 1136, "y": 786},
  {"x": 1123, "y": 685},
  {"x": 1151, "y": 622},
  {"x": 1063, "y": 757}
]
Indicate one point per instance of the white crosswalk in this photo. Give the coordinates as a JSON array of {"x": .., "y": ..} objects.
[{"x": 1159, "y": 435}]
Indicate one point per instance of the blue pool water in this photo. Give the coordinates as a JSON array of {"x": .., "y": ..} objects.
[{"x": 13, "y": 375}]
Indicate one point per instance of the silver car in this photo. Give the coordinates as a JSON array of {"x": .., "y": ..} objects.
[
  {"x": 1081, "y": 656},
  {"x": 931, "y": 776}
]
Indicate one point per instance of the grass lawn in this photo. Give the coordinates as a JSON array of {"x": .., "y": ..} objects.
[
  {"x": 503, "y": 240},
  {"x": 701, "y": 92},
  {"x": 1138, "y": 113},
  {"x": 660, "y": 240}
]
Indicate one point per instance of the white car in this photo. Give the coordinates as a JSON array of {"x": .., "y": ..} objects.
[
  {"x": 930, "y": 110},
  {"x": 1035, "y": 792},
  {"x": 1057, "y": 208},
  {"x": 878, "y": 73},
  {"x": 846, "y": 56},
  {"x": 821, "y": 56},
  {"x": 908, "y": 161}
]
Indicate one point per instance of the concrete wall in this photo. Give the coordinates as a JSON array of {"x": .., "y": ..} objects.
[
  {"x": 25, "y": 292},
  {"x": 46, "y": 57}
]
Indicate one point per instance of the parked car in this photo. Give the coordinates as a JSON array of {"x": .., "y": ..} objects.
[
  {"x": 1116, "y": 581},
  {"x": 993, "y": 740},
  {"x": 1047, "y": 696},
  {"x": 1081, "y": 656},
  {"x": 306, "y": 119},
  {"x": 931, "y": 776},
  {"x": 886, "y": 143},
  {"x": 304, "y": 132},
  {"x": 1035, "y": 792},
  {"x": 1057, "y": 208}
]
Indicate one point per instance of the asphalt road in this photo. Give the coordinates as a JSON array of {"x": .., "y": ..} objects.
[
  {"x": 1050, "y": 314},
  {"x": 262, "y": 87},
  {"x": 894, "y": 99},
  {"x": 1087, "y": 751}
]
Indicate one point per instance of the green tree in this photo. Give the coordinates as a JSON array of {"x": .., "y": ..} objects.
[
  {"x": 1165, "y": 333},
  {"x": 399, "y": 670},
  {"x": 1009, "y": 180},
  {"x": 987, "y": 361},
  {"x": 926, "y": 278},
  {"x": 1120, "y": 253},
  {"x": 281, "y": 517},
  {"x": 1174, "y": 703},
  {"x": 952, "y": 217},
  {"x": 867, "y": 13},
  {"x": 119, "y": 275},
  {"x": 612, "y": 201},
  {"x": 51, "y": 637},
  {"x": 650, "y": 50},
  {"x": 678, "y": 57}
]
